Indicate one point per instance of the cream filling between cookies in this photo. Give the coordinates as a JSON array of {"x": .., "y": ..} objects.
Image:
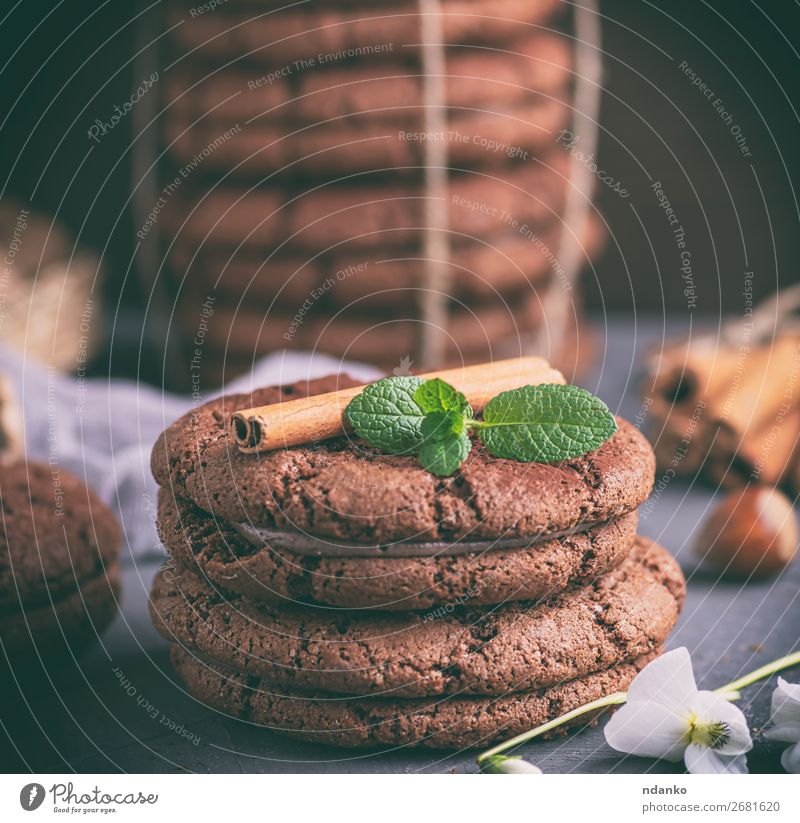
[{"x": 308, "y": 544}]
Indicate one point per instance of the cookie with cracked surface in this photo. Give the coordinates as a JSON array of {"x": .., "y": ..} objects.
[
  {"x": 447, "y": 723},
  {"x": 495, "y": 575},
  {"x": 346, "y": 490},
  {"x": 518, "y": 646},
  {"x": 56, "y": 533}
]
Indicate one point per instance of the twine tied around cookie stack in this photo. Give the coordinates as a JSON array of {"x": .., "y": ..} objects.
[{"x": 311, "y": 211}]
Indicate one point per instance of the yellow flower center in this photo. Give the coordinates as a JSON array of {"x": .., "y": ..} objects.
[{"x": 713, "y": 735}]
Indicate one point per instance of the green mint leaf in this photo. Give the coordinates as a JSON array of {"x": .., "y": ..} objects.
[
  {"x": 443, "y": 456},
  {"x": 439, "y": 425},
  {"x": 545, "y": 423},
  {"x": 436, "y": 395},
  {"x": 446, "y": 443},
  {"x": 386, "y": 415}
]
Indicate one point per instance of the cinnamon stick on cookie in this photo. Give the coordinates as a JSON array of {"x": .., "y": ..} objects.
[{"x": 320, "y": 417}]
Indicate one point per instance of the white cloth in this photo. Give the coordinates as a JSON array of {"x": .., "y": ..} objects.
[{"x": 103, "y": 430}]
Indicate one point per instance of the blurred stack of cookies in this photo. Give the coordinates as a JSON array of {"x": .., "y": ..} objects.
[
  {"x": 343, "y": 596},
  {"x": 297, "y": 202},
  {"x": 59, "y": 555},
  {"x": 59, "y": 565}
]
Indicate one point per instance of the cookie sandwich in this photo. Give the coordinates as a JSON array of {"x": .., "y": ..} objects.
[{"x": 431, "y": 576}]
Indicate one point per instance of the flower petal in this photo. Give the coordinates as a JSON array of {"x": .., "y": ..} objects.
[
  {"x": 702, "y": 760},
  {"x": 501, "y": 764},
  {"x": 710, "y": 708},
  {"x": 648, "y": 729},
  {"x": 519, "y": 767},
  {"x": 668, "y": 679},
  {"x": 787, "y": 733},
  {"x": 790, "y": 759},
  {"x": 785, "y": 703}
]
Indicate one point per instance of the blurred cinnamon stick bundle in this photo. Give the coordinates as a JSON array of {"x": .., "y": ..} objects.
[{"x": 726, "y": 407}]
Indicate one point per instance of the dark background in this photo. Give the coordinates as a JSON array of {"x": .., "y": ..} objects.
[{"x": 68, "y": 63}]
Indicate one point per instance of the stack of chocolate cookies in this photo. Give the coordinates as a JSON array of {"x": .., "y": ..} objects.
[
  {"x": 297, "y": 200},
  {"x": 339, "y": 595}
]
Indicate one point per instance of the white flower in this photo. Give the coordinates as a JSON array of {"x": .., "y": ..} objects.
[
  {"x": 666, "y": 716},
  {"x": 790, "y": 759},
  {"x": 785, "y": 717},
  {"x": 500, "y": 764}
]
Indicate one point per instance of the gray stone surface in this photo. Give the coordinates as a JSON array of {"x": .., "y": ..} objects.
[{"x": 87, "y": 721}]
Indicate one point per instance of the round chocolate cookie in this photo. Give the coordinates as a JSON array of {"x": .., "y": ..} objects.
[
  {"x": 346, "y": 31},
  {"x": 327, "y": 149},
  {"x": 369, "y": 213},
  {"x": 348, "y": 491},
  {"x": 622, "y": 615},
  {"x": 446, "y": 723},
  {"x": 55, "y": 533},
  {"x": 275, "y": 575},
  {"x": 65, "y": 626},
  {"x": 58, "y": 552}
]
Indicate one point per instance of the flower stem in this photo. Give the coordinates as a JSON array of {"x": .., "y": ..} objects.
[
  {"x": 609, "y": 700},
  {"x": 759, "y": 674},
  {"x": 730, "y": 691}
]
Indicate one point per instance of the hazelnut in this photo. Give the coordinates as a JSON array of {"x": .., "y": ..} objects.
[{"x": 751, "y": 533}]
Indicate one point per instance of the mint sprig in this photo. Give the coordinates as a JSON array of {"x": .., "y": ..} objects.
[
  {"x": 545, "y": 424},
  {"x": 436, "y": 395},
  {"x": 446, "y": 442},
  {"x": 386, "y": 415},
  {"x": 431, "y": 419}
]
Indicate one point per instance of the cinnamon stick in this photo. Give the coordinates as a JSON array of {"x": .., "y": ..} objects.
[
  {"x": 685, "y": 374},
  {"x": 766, "y": 454},
  {"x": 761, "y": 382},
  {"x": 681, "y": 440},
  {"x": 320, "y": 417}
]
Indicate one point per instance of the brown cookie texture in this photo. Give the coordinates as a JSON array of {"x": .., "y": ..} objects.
[
  {"x": 384, "y": 91},
  {"x": 486, "y": 139},
  {"x": 55, "y": 533},
  {"x": 319, "y": 33},
  {"x": 345, "y": 489},
  {"x": 217, "y": 552},
  {"x": 361, "y": 332},
  {"x": 446, "y": 723},
  {"x": 622, "y": 615},
  {"x": 370, "y": 213},
  {"x": 65, "y": 626},
  {"x": 504, "y": 262}
]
